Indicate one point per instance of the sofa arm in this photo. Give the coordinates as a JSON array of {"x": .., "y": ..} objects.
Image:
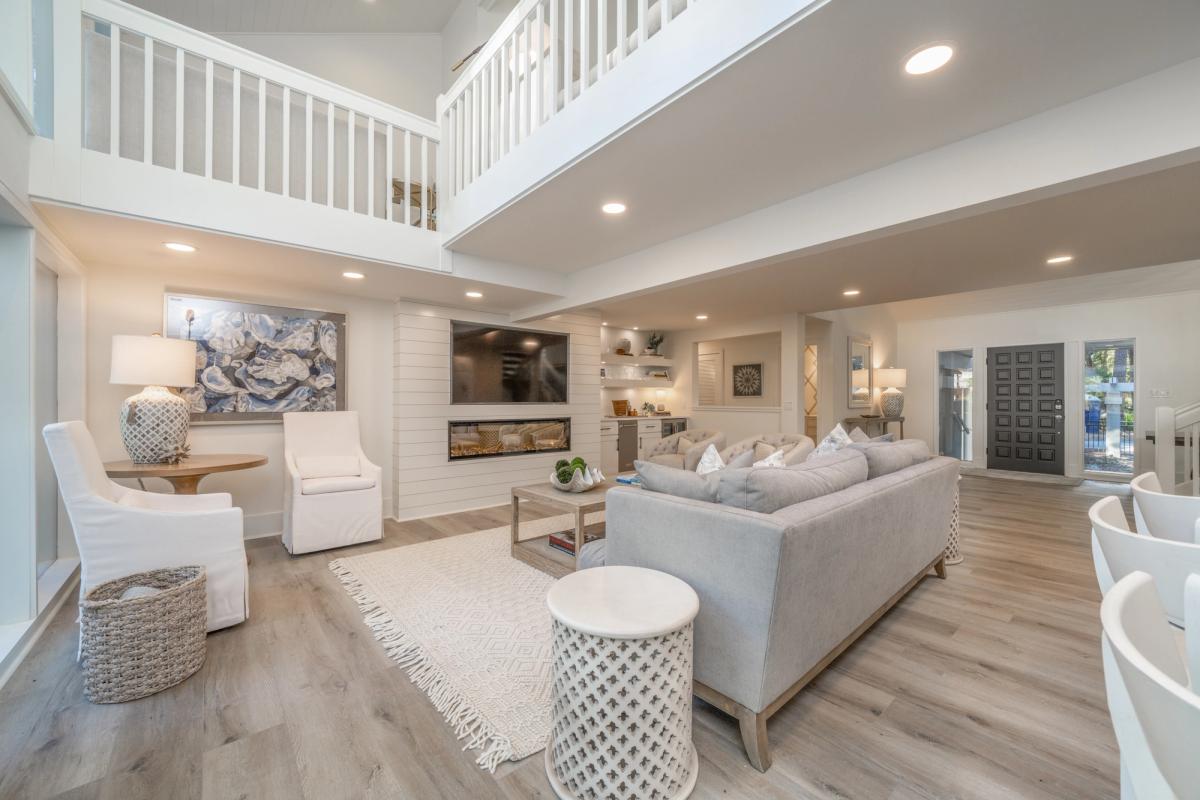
[{"x": 730, "y": 556}]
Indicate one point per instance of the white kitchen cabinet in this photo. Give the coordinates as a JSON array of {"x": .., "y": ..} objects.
[
  {"x": 609, "y": 460},
  {"x": 649, "y": 434}
]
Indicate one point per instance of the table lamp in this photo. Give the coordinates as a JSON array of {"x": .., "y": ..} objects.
[
  {"x": 891, "y": 402},
  {"x": 154, "y": 422}
]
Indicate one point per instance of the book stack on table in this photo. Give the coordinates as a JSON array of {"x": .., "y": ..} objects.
[{"x": 565, "y": 540}]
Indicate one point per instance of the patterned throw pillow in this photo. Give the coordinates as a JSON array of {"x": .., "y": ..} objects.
[
  {"x": 836, "y": 440},
  {"x": 773, "y": 460},
  {"x": 710, "y": 462},
  {"x": 858, "y": 435}
]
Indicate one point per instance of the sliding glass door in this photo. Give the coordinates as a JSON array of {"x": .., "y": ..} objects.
[{"x": 955, "y": 389}]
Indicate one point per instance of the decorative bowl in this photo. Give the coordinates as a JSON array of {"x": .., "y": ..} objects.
[{"x": 581, "y": 480}]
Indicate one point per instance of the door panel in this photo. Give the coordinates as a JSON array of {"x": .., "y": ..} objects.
[{"x": 1025, "y": 408}]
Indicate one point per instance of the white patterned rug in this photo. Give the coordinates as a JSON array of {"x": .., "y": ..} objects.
[{"x": 469, "y": 623}]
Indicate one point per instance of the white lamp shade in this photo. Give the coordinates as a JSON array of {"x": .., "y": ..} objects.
[
  {"x": 153, "y": 361},
  {"x": 891, "y": 377}
]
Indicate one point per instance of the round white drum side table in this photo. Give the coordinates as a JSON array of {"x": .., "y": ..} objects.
[
  {"x": 953, "y": 552},
  {"x": 622, "y": 686}
]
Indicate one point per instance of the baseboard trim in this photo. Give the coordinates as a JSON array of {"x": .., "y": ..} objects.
[{"x": 1028, "y": 477}]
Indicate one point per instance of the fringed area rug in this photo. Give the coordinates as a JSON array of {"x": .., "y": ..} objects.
[{"x": 469, "y": 623}]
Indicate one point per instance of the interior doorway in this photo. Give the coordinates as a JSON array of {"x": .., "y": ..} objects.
[
  {"x": 1025, "y": 408},
  {"x": 811, "y": 362}
]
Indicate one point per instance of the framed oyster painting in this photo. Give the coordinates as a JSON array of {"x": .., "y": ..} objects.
[{"x": 254, "y": 362}]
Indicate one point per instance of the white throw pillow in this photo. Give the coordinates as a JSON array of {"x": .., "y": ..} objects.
[
  {"x": 327, "y": 466},
  {"x": 773, "y": 460},
  {"x": 836, "y": 440},
  {"x": 710, "y": 462},
  {"x": 857, "y": 435}
]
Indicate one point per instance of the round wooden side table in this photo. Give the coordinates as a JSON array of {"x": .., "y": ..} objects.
[
  {"x": 185, "y": 476},
  {"x": 622, "y": 685}
]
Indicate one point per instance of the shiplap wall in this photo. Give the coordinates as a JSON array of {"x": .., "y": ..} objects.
[{"x": 427, "y": 483}]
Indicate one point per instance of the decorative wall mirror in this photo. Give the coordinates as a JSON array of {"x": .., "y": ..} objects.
[{"x": 858, "y": 373}]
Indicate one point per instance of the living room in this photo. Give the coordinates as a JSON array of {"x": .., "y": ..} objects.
[{"x": 422, "y": 402}]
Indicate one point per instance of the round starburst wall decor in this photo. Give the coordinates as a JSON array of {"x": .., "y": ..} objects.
[{"x": 747, "y": 380}]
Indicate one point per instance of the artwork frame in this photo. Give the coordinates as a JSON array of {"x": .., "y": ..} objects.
[
  {"x": 747, "y": 379},
  {"x": 860, "y": 375},
  {"x": 299, "y": 337}
]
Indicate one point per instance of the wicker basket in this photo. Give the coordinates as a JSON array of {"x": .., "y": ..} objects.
[{"x": 135, "y": 647}]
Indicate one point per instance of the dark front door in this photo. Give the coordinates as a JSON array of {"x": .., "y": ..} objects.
[{"x": 1025, "y": 408}]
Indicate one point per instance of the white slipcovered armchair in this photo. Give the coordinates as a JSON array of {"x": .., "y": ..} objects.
[
  {"x": 333, "y": 496},
  {"x": 668, "y": 450},
  {"x": 798, "y": 446},
  {"x": 121, "y": 531}
]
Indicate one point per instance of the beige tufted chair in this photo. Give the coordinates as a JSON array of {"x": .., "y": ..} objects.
[
  {"x": 777, "y": 440},
  {"x": 666, "y": 452}
]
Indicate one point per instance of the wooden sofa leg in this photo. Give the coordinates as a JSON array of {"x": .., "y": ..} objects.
[
  {"x": 940, "y": 568},
  {"x": 754, "y": 738}
]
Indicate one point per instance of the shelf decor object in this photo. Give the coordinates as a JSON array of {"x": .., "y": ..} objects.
[
  {"x": 155, "y": 421},
  {"x": 891, "y": 402}
]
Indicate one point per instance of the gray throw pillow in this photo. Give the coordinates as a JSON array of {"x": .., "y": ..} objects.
[
  {"x": 678, "y": 482},
  {"x": 742, "y": 459},
  {"x": 768, "y": 490},
  {"x": 884, "y": 458}
]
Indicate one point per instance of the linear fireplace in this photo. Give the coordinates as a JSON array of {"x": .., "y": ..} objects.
[{"x": 507, "y": 437}]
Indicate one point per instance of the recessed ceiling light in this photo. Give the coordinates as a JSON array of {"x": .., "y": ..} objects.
[
  {"x": 179, "y": 247},
  {"x": 354, "y": 276},
  {"x": 702, "y": 316},
  {"x": 635, "y": 327},
  {"x": 613, "y": 208},
  {"x": 604, "y": 324},
  {"x": 475, "y": 295},
  {"x": 1060, "y": 259},
  {"x": 852, "y": 292},
  {"x": 928, "y": 58}
]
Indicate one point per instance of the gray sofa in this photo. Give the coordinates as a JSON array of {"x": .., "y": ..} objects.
[{"x": 783, "y": 593}]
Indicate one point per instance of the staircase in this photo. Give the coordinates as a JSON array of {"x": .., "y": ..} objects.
[{"x": 1170, "y": 426}]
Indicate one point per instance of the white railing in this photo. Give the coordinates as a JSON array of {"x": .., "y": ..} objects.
[
  {"x": 1171, "y": 424},
  {"x": 545, "y": 54},
  {"x": 172, "y": 97}
]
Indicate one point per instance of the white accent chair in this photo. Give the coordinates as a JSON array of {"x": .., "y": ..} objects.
[
  {"x": 800, "y": 446},
  {"x": 1162, "y": 515},
  {"x": 666, "y": 451},
  {"x": 121, "y": 531},
  {"x": 1158, "y": 729},
  {"x": 333, "y": 496},
  {"x": 1118, "y": 551}
]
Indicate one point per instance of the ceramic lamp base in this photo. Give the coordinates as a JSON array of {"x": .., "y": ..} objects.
[
  {"x": 891, "y": 403},
  {"x": 154, "y": 425}
]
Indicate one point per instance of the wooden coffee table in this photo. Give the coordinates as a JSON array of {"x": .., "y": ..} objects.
[
  {"x": 537, "y": 552},
  {"x": 186, "y": 475}
]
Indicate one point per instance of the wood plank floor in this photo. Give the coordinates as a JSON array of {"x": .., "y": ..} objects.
[{"x": 986, "y": 685}]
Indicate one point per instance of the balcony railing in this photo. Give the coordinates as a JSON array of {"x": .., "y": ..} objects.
[
  {"x": 173, "y": 98},
  {"x": 545, "y": 54}
]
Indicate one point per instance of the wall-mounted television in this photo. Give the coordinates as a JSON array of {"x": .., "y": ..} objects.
[{"x": 494, "y": 364}]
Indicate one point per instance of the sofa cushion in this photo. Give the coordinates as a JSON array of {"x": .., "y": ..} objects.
[
  {"x": 775, "y": 459},
  {"x": 797, "y": 453},
  {"x": 677, "y": 482},
  {"x": 327, "y": 466},
  {"x": 593, "y": 554},
  {"x": 338, "y": 483},
  {"x": 741, "y": 460},
  {"x": 884, "y": 458},
  {"x": 673, "y": 460},
  {"x": 768, "y": 490}
]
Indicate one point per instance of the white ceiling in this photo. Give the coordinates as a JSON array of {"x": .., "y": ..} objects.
[
  {"x": 1131, "y": 223},
  {"x": 305, "y": 16},
  {"x": 97, "y": 238},
  {"x": 826, "y": 100}
]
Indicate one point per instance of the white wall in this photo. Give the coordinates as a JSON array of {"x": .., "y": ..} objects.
[
  {"x": 761, "y": 348},
  {"x": 404, "y": 70},
  {"x": 130, "y": 301},
  {"x": 1165, "y": 328},
  {"x": 426, "y": 482},
  {"x": 16, "y": 54},
  {"x": 832, "y": 331},
  {"x": 468, "y": 27}
]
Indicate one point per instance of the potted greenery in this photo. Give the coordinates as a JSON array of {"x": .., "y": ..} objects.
[{"x": 653, "y": 341}]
